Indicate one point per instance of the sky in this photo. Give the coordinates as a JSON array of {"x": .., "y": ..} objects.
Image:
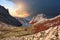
[
  {"x": 6, "y": 3},
  {"x": 50, "y": 8}
]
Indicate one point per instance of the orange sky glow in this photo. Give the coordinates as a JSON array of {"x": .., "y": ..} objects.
[{"x": 20, "y": 10}]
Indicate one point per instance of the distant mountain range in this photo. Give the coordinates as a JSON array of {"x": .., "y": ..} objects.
[{"x": 6, "y": 18}]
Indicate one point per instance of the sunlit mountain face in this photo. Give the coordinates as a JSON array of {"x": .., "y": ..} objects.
[{"x": 42, "y": 23}]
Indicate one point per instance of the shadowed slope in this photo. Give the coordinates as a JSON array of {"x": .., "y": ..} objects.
[{"x": 6, "y": 18}]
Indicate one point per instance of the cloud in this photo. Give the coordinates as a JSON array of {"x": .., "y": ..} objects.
[{"x": 21, "y": 9}]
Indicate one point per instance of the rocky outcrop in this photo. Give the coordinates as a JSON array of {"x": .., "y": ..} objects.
[{"x": 8, "y": 19}]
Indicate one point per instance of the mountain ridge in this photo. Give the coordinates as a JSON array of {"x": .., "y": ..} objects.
[
  {"x": 53, "y": 22},
  {"x": 5, "y": 17}
]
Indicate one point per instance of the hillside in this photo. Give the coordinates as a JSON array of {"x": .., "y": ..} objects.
[
  {"x": 6, "y": 18},
  {"x": 48, "y": 30}
]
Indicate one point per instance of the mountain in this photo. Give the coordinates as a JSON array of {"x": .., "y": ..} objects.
[
  {"x": 46, "y": 30},
  {"x": 45, "y": 23},
  {"x": 38, "y": 19},
  {"x": 5, "y": 17}
]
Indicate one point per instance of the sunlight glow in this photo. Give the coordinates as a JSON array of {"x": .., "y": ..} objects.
[{"x": 20, "y": 11}]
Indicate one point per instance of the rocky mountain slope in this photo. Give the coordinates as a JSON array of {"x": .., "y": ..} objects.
[
  {"x": 50, "y": 34},
  {"x": 47, "y": 30},
  {"x": 47, "y": 23},
  {"x": 7, "y": 18}
]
